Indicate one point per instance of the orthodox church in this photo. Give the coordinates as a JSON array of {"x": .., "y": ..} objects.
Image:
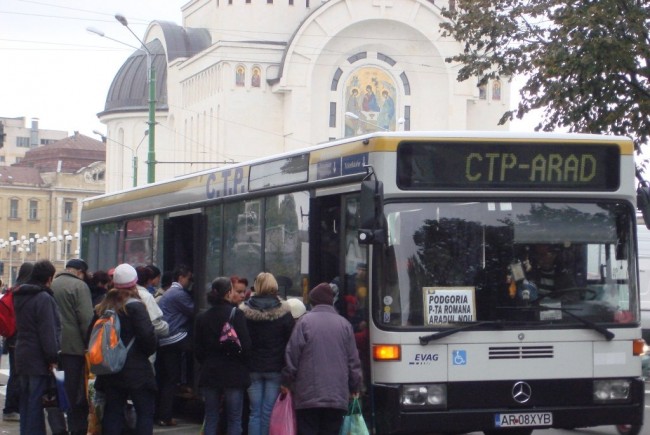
[{"x": 241, "y": 79}]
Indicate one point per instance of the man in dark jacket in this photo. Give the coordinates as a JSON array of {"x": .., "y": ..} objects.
[
  {"x": 37, "y": 344},
  {"x": 177, "y": 305},
  {"x": 73, "y": 298},
  {"x": 322, "y": 365}
]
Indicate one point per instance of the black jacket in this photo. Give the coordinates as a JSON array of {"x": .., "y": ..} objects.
[
  {"x": 137, "y": 372},
  {"x": 270, "y": 324},
  {"x": 219, "y": 370},
  {"x": 38, "y": 330}
]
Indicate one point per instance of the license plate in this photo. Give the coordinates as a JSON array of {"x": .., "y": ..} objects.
[{"x": 526, "y": 419}]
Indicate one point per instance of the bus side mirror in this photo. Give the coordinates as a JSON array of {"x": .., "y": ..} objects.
[
  {"x": 643, "y": 203},
  {"x": 371, "y": 213}
]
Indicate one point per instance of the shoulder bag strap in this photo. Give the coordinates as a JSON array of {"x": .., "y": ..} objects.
[{"x": 232, "y": 315}]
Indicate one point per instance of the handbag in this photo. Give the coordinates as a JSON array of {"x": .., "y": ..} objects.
[
  {"x": 50, "y": 398},
  {"x": 283, "y": 417},
  {"x": 228, "y": 340},
  {"x": 353, "y": 422}
]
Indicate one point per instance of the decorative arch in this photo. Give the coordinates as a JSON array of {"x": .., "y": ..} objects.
[
  {"x": 496, "y": 90},
  {"x": 368, "y": 94},
  {"x": 256, "y": 77},
  {"x": 240, "y": 76}
]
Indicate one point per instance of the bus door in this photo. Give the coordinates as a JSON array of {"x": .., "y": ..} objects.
[
  {"x": 180, "y": 231},
  {"x": 336, "y": 257}
]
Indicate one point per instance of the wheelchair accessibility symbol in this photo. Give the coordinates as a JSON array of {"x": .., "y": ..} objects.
[{"x": 459, "y": 357}]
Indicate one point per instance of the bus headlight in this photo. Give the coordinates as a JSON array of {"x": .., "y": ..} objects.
[
  {"x": 427, "y": 395},
  {"x": 611, "y": 390}
]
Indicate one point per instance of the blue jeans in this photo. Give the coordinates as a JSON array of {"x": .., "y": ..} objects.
[
  {"x": 262, "y": 394},
  {"x": 143, "y": 401},
  {"x": 234, "y": 402},
  {"x": 32, "y": 418}
]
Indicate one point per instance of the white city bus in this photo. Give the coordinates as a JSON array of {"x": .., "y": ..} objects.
[{"x": 435, "y": 243}]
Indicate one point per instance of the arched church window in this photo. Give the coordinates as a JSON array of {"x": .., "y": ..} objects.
[
  {"x": 240, "y": 75},
  {"x": 482, "y": 91},
  {"x": 496, "y": 90},
  {"x": 256, "y": 77}
]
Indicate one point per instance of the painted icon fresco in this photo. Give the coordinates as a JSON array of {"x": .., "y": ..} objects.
[
  {"x": 240, "y": 76},
  {"x": 255, "y": 79},
  {"x": 369, "y": 101}
]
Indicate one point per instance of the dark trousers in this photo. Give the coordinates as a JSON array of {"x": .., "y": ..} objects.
[
  {"x": 319, "y": 421},
  {"x": 74, "y": 367},
  {"x": 12, "y": 399},
  {"x": 169, "y": 369},
  {"x": 113, "y": 422}
]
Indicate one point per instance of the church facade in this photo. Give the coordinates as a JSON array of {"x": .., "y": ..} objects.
[{"x": 241, "y": 79}]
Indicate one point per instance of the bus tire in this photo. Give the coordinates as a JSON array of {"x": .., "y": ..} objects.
[{"x": 629, "y": 429}]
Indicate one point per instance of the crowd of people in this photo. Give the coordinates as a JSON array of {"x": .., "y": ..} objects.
[{"x": 283, "y": 347}]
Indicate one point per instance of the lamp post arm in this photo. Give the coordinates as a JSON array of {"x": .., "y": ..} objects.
[{"x": 103, "y": 35}]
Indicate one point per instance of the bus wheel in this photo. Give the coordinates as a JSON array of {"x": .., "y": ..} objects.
[
  {"x": 628, "y": 429},
  {"x": 509, "y": 432}
]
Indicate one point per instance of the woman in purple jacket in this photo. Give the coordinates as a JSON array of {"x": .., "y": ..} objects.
[{"x": 322, "y": 366}]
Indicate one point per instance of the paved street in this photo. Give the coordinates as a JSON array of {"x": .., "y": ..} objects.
[{"x": 11, "y": 428}]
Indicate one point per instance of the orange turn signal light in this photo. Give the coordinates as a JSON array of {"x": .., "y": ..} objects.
[
  {"x": 638, "y": 347},
  {"x": 386, "y": 352}
]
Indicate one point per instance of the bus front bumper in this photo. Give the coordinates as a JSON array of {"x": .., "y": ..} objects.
[{"x": 483, "y": 412}]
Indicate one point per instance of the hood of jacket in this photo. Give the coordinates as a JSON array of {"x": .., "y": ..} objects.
[
  {"x": 26, "y": 291},
  {"x": 259, "y": 308}
]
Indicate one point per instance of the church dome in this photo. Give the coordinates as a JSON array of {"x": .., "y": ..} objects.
[
  {"x": 129, "y": 90},
  {"x": 130, "y": 87}
]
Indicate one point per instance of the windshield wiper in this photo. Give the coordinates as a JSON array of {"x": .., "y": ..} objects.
[
  {"x": 425, "y": 339},
  {"x": 609, "y": 335}
]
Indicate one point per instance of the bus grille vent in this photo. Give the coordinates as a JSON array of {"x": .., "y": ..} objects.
[{"x": 521, "y": 352}]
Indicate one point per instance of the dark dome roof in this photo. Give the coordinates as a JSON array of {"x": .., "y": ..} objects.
[{"x": 130, "y": 88}]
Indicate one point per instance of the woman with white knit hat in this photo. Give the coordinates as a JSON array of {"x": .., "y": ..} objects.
[{"x": 136, "y": 380}]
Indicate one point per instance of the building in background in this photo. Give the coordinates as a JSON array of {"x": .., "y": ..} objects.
[
  {"x": 40, "y": 201},
  {"x": 17, "y": 139},
  {"x": 242, "y": 79}
]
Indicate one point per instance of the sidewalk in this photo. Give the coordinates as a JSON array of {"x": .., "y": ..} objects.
[{"x": 13, "y": 428}]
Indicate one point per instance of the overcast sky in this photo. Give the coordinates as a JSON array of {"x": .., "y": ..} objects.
[{"x": 55, "y": 70}]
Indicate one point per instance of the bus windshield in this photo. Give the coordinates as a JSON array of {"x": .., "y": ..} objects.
[{"x": 546, "y": 264}]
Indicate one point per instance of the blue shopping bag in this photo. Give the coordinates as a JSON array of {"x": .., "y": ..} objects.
[
  {"x": 353, "y": 422},
  {"x": 64, "y": 404}
]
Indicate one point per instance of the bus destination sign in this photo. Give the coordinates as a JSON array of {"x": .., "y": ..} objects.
[{"x": 508, "y": 166}]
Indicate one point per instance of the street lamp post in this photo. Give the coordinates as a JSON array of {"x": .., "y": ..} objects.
[
  {"x": 52, "y": 239},
  {"x": 12, "y": 243},
  {"x": 151, "y": 157},
  {"x": 24, "y": 249},
  {"x": 3, "y": 244},
  {"x": 39, "y": 242},
  {"x": 134, "y": 153},
  {"x": 67, "y": 237},
  {"x": 151, "y": 69}
]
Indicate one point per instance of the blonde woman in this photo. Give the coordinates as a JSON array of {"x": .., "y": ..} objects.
[{"x": 270, "y": 323}]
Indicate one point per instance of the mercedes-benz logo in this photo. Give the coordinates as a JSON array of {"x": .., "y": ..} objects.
[{"x": 521, "y": 392}]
